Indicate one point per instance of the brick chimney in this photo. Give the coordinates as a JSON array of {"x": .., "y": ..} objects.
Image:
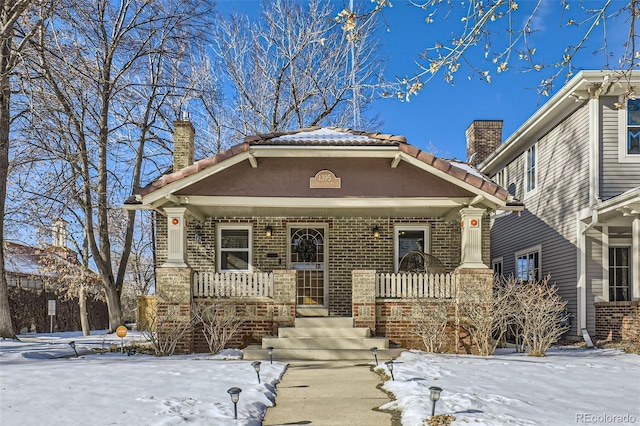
[
  {"x": 183, "y": 142},
  {"x": 483, "y": 137}
]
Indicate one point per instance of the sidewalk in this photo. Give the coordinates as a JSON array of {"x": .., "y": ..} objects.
[{"x": 328, "y": 393}]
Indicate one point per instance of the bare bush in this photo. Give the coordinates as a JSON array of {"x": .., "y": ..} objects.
[
  {"x": 168, "y": 326},
  {"x": 431, "y": 318},
  {"x": 219, "y": 320},
  {"x": 540, "y": 314}
]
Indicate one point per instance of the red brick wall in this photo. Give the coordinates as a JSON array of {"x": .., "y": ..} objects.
[{"x": 617, "y": 321}]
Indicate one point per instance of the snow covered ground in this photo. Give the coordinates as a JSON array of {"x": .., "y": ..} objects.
[
  {"x": 39, "y": 388},
  {"x": 568, "y": 386},
  {"x": 43, "y": 383}
]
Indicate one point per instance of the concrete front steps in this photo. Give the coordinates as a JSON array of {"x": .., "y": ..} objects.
[{"x": 323, "y": 339}]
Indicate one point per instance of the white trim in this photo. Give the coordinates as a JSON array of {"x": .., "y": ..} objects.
[
  {"x": 635, "y": 259},
  {"x": 531, "y": 192},
  {"x": 605, "y": 263},
  {"x": 594, "y": 150},
  {"x": 222, "y": 226},
  {"x": 581, "y": 286},
  {"x": 529, "y": 250},
  {"x": 623, "y": 155},
  {"x": 502, "y": 181},
  {"x": 397, "y": 228}
]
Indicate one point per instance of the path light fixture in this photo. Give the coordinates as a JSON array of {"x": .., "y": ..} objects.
[
  {"x": 434, "y": 396},
  {"x": 270, "y": 352},
  {"x": 234, "y": 393},
  {"x": 374, "y": 351},
  {"x": 389, "y": 365},
  {"x": 73, "y": 346},
  {"x": 256, "y": 366}
]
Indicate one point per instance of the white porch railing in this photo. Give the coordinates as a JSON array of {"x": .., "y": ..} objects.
[
  {"x": 232, "y": 284},
  {"x": 408, "y": 285}
]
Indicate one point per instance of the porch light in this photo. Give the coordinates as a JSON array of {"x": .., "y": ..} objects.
[
  {"x": 73, "y": 346},
  {"x": 389, "y": 365},
  {"x": 234, "y": 393},
  {"x": 434, "y": 396},
  {"x": 256, "y": 366},
  {"x": 268, "y": 231},
  {"x": 376, "y": 232},
  {"x": 374, "y": 351},
  {"x": 270, "y": 352}
]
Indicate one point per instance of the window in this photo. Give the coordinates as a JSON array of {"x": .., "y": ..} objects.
[
  {"x": 633, "y": 127},
  {"x": 234, "y": 248},
  {"x": 530, "y": 169},
  {"x": 528, "y": 264},
  {"x": 497, "y": 267},
  {"x": 410, "y": 238},
  {"x": 501, "y": 178},
  {"x": 619, "y": 274}
]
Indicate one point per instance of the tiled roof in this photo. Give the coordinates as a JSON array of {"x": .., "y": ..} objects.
[
  {"x": 332, "y": 136},
  {"x": 326, "y": 136}
]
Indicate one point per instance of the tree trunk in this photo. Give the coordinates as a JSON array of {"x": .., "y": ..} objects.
[
  {"x": 6, "y": 328},
  {"x": 84, "y": 317},
  {"x": 115, "y": 308}
]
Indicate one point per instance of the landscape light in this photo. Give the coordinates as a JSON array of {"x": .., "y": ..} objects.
[
  {"x": 270, "y": 352},
  {"x": 389, "y": 365},
  {"x": 234, "y": 393},
  {"x": 434, "y": 396},
  {"x": 256, "y": 366},
  {"x": 374, "y": 351}
]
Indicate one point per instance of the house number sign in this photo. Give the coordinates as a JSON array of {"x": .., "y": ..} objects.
[{"x": 325, "y": 179}]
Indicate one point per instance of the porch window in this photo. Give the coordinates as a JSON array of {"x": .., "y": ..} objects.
[
  {"x": 234, "y": 248},
  {"x": 410, "y": 238},
  {"x": 619, "y": 274},
  {"x": 633, "y": 127},
  {"x": 501, "y": 178},
  {"x": 528, "y": 264},
  {"x": 530, "y": 176}
]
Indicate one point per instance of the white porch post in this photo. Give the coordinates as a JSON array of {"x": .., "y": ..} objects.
[
  {"x": 471, "y": 224},
  {"x": 176, "y": 237},
  {"x": 635, "y": 258}
]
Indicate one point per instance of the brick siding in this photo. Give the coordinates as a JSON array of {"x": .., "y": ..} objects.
[{"x": 616, "y": 320}]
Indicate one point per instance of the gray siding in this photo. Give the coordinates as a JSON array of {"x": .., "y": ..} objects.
[
  {"x": 594, "y": 249},
  {"x": 616, "y": 177},
  {"x": 550, "y": 216}
]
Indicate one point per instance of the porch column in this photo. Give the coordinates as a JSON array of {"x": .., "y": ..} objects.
[
  {"x": 471, "y": 224},
  {"x": 176, "y": 237},
  {"x": 635, "y": 258},
  {"x": 363, "y": 299}
]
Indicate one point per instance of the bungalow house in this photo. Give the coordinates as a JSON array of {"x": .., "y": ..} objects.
[
  {"x": 315, "y": 223},
  {"x": 576, "y": 165}
]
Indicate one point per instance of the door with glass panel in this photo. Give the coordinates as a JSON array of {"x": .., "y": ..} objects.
[{"x": 307, "y": 256}]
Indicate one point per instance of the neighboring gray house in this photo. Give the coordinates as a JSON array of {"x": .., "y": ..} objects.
[{"x": 576, "y": 166}]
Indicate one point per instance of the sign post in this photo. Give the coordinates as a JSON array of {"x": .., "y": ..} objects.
[
  {"x": 51, "y": 311},
  {"x": 121, "y": 332}
]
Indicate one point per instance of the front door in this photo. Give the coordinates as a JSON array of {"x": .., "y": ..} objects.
[{"x": 307, "y": 255}]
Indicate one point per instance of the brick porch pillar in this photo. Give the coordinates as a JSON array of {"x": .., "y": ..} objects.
[
  {"x": 284, "y": 295},
  {"x": 363, "y": 299},
  {"x": 174, "y": 295}
]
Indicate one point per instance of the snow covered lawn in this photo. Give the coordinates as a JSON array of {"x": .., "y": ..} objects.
[
  {"x": 36, "y": 388},
  {"x": 568, "y": 386}
]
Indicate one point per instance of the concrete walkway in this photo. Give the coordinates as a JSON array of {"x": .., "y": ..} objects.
[{"x": 329, "y": 393}]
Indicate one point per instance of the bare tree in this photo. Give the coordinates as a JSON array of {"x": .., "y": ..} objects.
[
  {"x": 99, "y": 105},
  {"x": 19, "y": 22},
  {"x": 293, "y": 68},
  {"x": 431, "y": 317},
  {"x": 487, "y": 38}
]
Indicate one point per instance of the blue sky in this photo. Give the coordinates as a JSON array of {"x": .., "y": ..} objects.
[{"x": 436, "y": 119}]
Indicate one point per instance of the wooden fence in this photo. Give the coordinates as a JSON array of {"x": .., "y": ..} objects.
[
  {"x": 232, "y": 284},
  {"x": 411, "y": 285}
]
